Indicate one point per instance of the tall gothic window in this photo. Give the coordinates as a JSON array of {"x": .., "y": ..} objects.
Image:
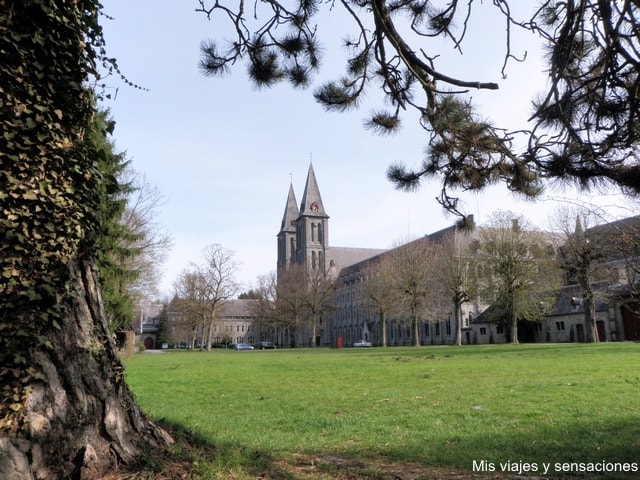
[
  {"x": 313, "y": 260},
  {"x": 313, "y": 232},
  {"x": 320, "y": 234}
]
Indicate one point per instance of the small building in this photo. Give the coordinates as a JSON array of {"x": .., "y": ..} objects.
[
  {"x": 236, "y": 322},
  {"x": 148, "y": 326}
]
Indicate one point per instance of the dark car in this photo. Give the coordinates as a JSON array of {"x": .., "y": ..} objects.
[{"x": 267, "y": 345}]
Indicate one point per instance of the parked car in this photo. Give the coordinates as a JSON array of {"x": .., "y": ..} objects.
[
  {"x": 267, "y": 346},
  {"x": 242, "y": 346},
  {"x": 362, "y": 343}
]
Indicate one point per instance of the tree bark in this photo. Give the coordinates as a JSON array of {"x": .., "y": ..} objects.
[
  {"x": 383, "y": 327},
  {"x": 415, "y": 326},
  {"x": 458, "y": 321},
  {"x": 79, "y": 419},
  {"x": 590, "y": 317},
  {"x": 514, "y": 326}
]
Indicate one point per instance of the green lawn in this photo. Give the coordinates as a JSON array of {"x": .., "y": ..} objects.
[{"x": 442, "y": 408}]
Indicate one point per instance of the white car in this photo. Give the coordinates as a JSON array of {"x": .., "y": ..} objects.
[{"x": 362, "y": 343}]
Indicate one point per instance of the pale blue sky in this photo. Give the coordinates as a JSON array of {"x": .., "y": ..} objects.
[{"x": 223, "y": 154}]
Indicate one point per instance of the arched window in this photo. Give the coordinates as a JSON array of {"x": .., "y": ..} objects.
[
  {"x": 313, "y": 260},
  {"x": 320, "y": 261},
  {"x": 320, "y": 234},
  {"x": 313, "y": 232}
]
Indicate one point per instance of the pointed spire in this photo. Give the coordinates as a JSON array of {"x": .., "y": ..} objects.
[
  {"x": 291, "y": 212},
  {"x": 311, "y": 200}
]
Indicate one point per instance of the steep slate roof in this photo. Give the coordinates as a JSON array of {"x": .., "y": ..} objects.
[
  {"x": 291, "y": 213},
  {"x": 615, "y": 234},
  {"x": 356, "y": 266},
  {"x": 311, "y": 204},
  {"x": 344, "y": 257},
  {"x": 243, "y": 307}
]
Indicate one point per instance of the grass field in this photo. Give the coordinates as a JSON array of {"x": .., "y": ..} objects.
[{"x": 360, "y": 413}]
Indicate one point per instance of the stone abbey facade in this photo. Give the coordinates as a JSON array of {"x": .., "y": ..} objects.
[{"x": 303, "y": 239}]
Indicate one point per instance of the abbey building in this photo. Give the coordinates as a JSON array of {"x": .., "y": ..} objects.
[{"x": 303, "y": 242}]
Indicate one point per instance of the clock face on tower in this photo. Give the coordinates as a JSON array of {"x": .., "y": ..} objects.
[{"x": 314, "y": 207}]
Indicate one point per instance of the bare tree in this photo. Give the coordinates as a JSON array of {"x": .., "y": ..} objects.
[
  {"x": 265, "y": 307},
  {"x": 292, "y": 300},
  {"x": 412, "y": 265},
  {"x": 150, "y": 240},
  {"x": 318, "y": 298},
  {"x": 624, "y": 245},
  {"x": 218, "y": 274},
  {"x": 377, "y": 291},
  {"x": 519, "y": 273},
  {"x": 456, "y": 274},
  {"x": 190, "y": 307},
  {"x": 582, "y": 257}
]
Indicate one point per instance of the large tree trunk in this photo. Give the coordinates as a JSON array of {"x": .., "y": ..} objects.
[
  {"x": 78, "y": 418},
  {"x": 65, "y": 410}
]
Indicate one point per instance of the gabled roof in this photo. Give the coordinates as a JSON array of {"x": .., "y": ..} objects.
[
  {"x": 311, "y": 204},
  {"x": 291, "y": 213},
  {"x": 569, "y": 299}
]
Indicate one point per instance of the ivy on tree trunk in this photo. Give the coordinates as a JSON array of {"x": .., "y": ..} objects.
[{"x": 65, "y": 410}]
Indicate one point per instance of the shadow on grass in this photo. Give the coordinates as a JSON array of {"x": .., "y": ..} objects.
[
  {"x": 194, "y": 457},
  {"x": 577, "y": 448},
  {"x": 571, "y": 453}
]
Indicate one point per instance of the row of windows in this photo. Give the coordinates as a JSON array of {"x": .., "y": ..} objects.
[
  {"x": 239, "y": 339},
  {"x": 353, "y": 314},
  {"x": 239, "y": 328}
]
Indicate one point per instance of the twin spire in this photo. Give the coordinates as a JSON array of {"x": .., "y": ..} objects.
[{"x": 311, "y": 205}]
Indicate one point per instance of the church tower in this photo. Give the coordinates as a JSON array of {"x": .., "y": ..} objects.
[
  {"x": 312, "y": 233},
  {"x": 287, "y": 245}
]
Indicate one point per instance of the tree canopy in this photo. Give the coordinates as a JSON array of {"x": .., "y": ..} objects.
[{"x": 584, "y": 128}]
